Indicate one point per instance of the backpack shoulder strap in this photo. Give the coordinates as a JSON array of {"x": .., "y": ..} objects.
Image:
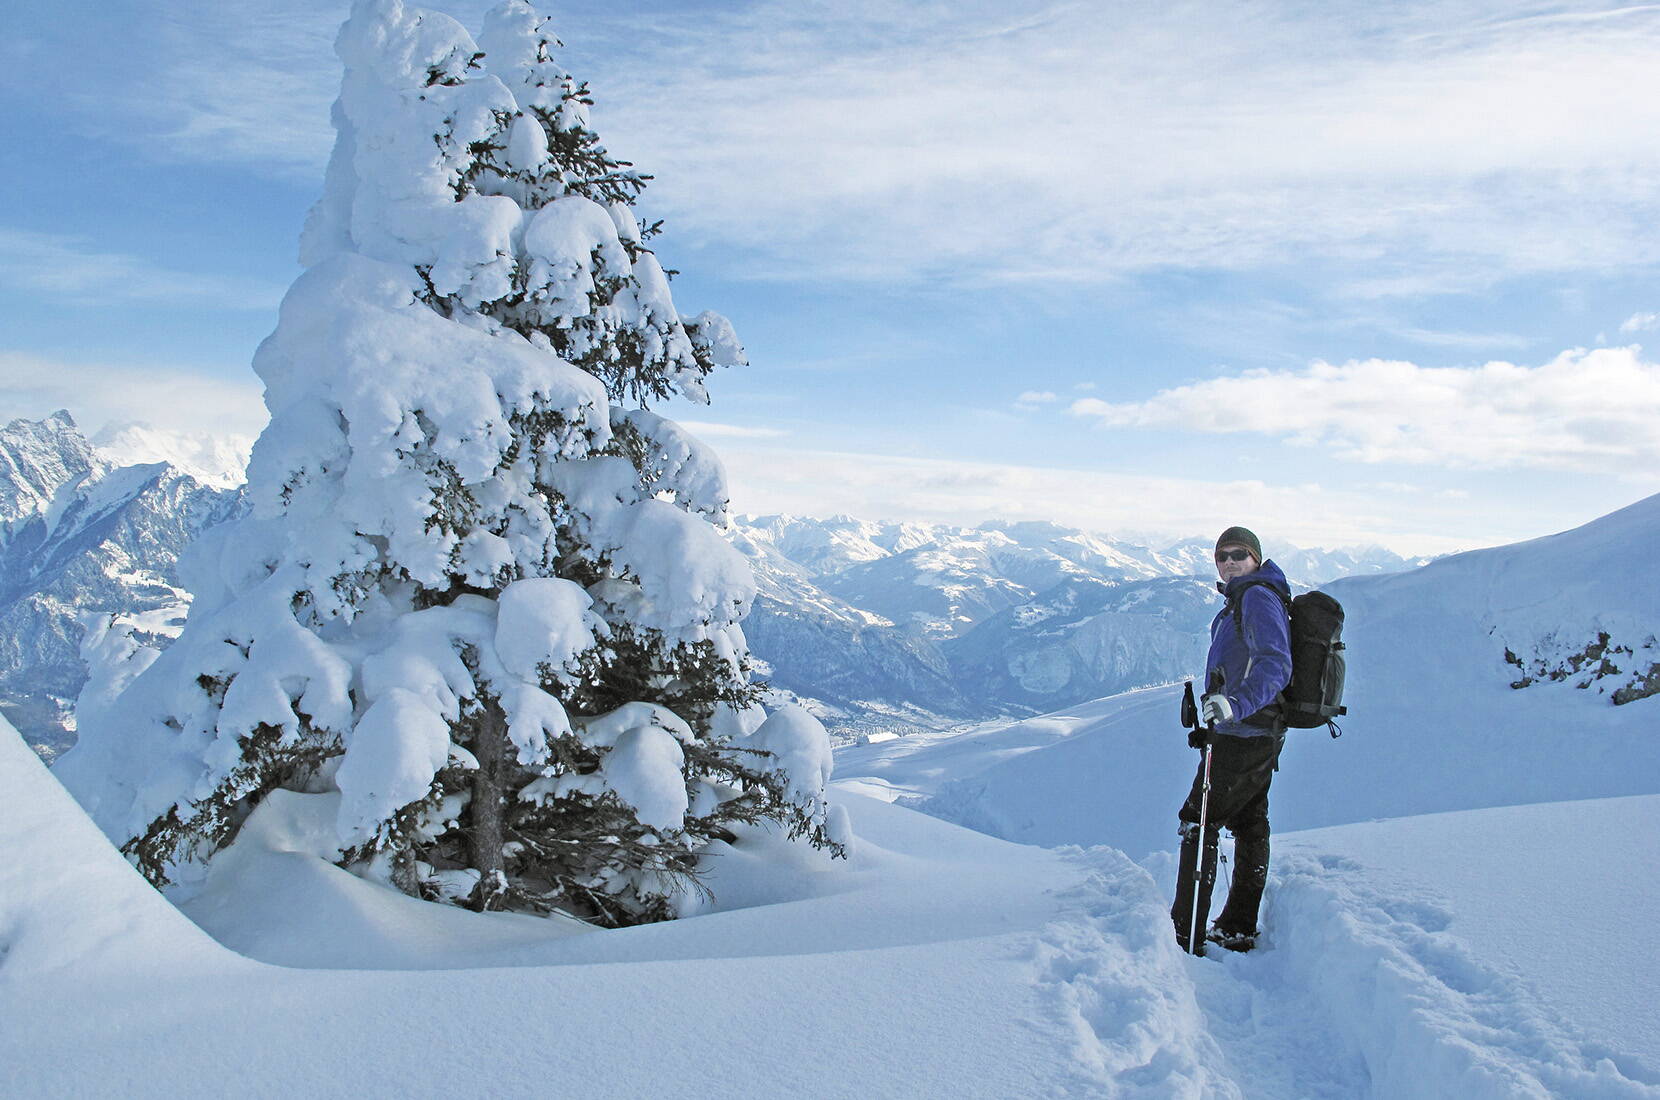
[{"x": 1235, "y": 603}]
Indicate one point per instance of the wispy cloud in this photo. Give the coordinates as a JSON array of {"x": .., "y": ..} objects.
[
  {"x": 824, "y": 483},
  {"x": 233, "y": 83},
  {"x": 1639, "y": 322},
  {"x": 1591, "y": 411},
  {"x": 1070, "y": 141},
  {"x": 73, "y": 268},
  {"x": 1034, "y": 399},
  {"x": 1482, "y": 341},
  {"x": 729, "y": 431},
  {"x": 1431, "y": 146},
  {"x": 99, "y": 394}
]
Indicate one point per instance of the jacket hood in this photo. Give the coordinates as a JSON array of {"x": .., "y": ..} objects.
[{"x": 1267, "y": 573}]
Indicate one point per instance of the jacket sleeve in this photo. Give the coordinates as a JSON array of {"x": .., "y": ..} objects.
[{"x": 1267, "y": 651}]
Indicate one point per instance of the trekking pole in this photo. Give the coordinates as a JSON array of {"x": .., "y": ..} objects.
[{"x": 1195, "y": 942}]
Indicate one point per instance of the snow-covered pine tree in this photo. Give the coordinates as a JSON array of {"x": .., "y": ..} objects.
[{"x": 482, "y": 601}]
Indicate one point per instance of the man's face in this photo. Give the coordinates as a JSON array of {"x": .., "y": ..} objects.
[{"x": 1234, "y": 561}]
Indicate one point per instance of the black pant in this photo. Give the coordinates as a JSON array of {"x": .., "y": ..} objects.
[{"x": 1241, "y": 769}]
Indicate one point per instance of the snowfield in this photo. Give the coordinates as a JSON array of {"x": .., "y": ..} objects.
[
  {"x": 933, "y": 967},
  {"x": 483, "y": 611},
  {"x": 942, "y": 962}
]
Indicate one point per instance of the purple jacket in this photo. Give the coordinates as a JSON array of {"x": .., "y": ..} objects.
[{"x": 1250, "y": 662}]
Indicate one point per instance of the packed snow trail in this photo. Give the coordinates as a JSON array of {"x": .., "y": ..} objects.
[
  {"x": 1359, "y": 989},
  {"x": 1418, "y": 1003},
  {"x": 1548, "y": 893}
]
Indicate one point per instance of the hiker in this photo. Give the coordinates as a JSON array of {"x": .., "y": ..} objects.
[{"x": 1248, "y": 666}]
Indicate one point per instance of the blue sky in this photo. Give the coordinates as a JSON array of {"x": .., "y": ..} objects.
[{"x": 1344, "y": 273}]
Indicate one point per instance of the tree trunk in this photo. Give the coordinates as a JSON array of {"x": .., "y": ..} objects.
[{"x": 485, "y": 839}]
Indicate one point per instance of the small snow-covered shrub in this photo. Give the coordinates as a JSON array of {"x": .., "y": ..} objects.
[{"x": 482, "y": 594}]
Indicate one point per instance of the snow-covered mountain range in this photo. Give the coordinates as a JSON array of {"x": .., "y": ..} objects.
[
  {"x": 875, "y": 626},
  {"x": 84, "y": 533},
  {"x": 891, "y": 625}
]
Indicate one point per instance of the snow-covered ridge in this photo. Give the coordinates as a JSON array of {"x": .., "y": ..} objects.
[
  {"x": 88, "y": 541},
  {"x": 39, "y": 460}
]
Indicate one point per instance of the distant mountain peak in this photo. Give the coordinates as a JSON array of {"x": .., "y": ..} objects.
[{"x": 217, "y": 460}]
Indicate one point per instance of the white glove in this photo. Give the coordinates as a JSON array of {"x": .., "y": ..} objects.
[{"x": 1216, "y": 709}]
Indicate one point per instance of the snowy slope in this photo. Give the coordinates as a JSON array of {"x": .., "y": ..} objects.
[
  {"x": 1394, "y": 961},
  {"x": 941, "y": 964},
  {"x": 69, "y": 904},
  {"x": 1550, "y": 896}
]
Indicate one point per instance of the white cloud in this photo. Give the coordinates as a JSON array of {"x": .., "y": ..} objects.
[
  {"x": 233, "y": 82},
  {"x": 1070, "y": 141},
  {"x": 97, "y": 394},
  {"x": 729, "y": 431},
  {"x": 1638, "y": 322},
  {"x": 1482, "y": 341},
  {"x": 70, "y": 268},
  {"x": 821, "y": 483},
  {"x": 1594, "y": 411},
  {"x": 1031, "y": 399},
  {"x": 1433, "y": 145}
]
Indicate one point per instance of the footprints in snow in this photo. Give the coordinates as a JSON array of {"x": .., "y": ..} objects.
[{"x": 1418, "y": 1004}]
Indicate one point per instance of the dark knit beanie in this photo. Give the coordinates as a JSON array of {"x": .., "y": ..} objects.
[{"x": 1240, "y": 536}]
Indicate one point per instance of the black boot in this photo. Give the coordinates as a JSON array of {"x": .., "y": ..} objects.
[
  {"x": 1233, "y": 941},
  {"x": 1237, "y": 924},
  {"x": 1182, "y": 913}
]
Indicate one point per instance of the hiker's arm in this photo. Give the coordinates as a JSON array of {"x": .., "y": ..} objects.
[{"x": 1268, "y": 651}]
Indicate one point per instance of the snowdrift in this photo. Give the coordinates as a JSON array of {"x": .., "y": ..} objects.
[
  {"x": 69, "y": 904},
  {"x": 942, "y": 962}
]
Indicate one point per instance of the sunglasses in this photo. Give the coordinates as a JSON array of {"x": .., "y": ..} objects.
[{"x": 1232, "y": 555}]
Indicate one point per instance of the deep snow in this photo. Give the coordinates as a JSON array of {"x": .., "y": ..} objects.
[{"x": 941, "y": 962}]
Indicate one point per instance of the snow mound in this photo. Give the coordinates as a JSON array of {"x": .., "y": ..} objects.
[{"x": 68, "y": 902}]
